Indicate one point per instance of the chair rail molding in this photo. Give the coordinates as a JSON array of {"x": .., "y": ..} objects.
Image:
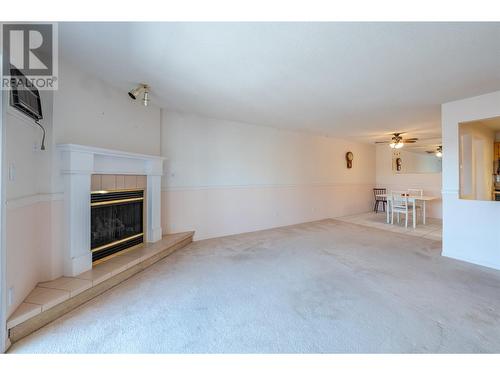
[{"x": 77, "y": 164}]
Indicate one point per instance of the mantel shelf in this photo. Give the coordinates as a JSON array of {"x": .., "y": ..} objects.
[{"x": 106, "y": 152}]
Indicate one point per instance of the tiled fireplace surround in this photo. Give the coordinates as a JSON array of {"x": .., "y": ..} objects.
[{"x": 86, "y": 169}]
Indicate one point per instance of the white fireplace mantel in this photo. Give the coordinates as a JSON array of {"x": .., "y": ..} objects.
[{"x": 78, "y": 163}]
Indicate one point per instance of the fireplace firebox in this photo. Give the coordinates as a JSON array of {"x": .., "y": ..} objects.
[{"x": 116, "y": 221}]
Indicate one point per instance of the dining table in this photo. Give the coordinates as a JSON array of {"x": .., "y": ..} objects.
[{"x": 413, "y": 199}]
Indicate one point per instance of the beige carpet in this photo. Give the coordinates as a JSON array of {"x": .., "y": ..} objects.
[{"x": 322, "y": 287}]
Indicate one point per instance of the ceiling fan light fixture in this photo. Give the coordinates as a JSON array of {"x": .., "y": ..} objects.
[
  {"x": 396, "y": 144},
  {"x": 439, "y": 152},
  {"x": 397, "y": 141}
]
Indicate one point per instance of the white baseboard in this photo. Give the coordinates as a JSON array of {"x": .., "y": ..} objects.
[{"x": 495, "y": 266}]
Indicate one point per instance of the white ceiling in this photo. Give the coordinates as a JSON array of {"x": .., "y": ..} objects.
[{"x": 357, "y": 80}]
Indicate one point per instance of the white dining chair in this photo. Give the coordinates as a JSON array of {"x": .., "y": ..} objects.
[
  {"x": 418, "y": 205},
  {"x": 400, "y": 205},
  {"x": 389, "y": 202}
]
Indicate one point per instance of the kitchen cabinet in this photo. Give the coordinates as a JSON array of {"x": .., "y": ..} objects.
[{"x": 497, "y": 150}]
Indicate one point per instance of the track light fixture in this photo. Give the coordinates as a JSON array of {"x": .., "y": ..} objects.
[
  {"x": 141, "y": 89},
  {"x": 145, "y": 98}
]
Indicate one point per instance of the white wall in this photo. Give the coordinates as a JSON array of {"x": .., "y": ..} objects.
[
  {"x": 386, "y": 178},
  {"x": 89, "y": 111},
  {"x": 28, "y": 213},
  {"x": 224, "y": 177},
  {"x": 3, "y": 266},
  {"x": 470, "y": 227}
]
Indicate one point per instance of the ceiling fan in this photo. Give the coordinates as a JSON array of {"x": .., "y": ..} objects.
[
  {"x": 438, "y": 152},
  {"x": 397, "y": 141}
]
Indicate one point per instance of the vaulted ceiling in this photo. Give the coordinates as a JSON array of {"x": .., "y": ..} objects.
[{"x": 351, "y": 80}]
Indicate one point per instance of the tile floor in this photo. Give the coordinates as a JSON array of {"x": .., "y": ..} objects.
[{"x": 432, "y": 230}]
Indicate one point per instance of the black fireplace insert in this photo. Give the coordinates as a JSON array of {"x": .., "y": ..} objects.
[{"x": 116, "y": 221}]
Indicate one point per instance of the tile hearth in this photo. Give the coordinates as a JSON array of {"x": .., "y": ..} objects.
[{"x": 47, "y": 295}]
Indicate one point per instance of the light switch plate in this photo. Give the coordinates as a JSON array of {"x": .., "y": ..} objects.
[
  {"x": 12, "y": 172},
  {"x": 10, "y": 296}
]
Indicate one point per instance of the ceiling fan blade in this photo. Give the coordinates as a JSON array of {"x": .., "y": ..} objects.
[
  {"x": 409, "y": 141},
  {"x": 383, "y": 142}
]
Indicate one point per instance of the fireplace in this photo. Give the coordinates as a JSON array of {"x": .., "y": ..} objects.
[
  {"x": 78, "y": 165},
  {"x": 117, "y": 220}
]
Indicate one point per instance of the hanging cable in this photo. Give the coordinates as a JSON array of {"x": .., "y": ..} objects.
[{"x": 43, "y": 137}]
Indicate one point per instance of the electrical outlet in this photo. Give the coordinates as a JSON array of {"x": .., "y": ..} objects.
[
  {"x": 12, "y": 172},
  {"x": 10, "y": 296}
]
